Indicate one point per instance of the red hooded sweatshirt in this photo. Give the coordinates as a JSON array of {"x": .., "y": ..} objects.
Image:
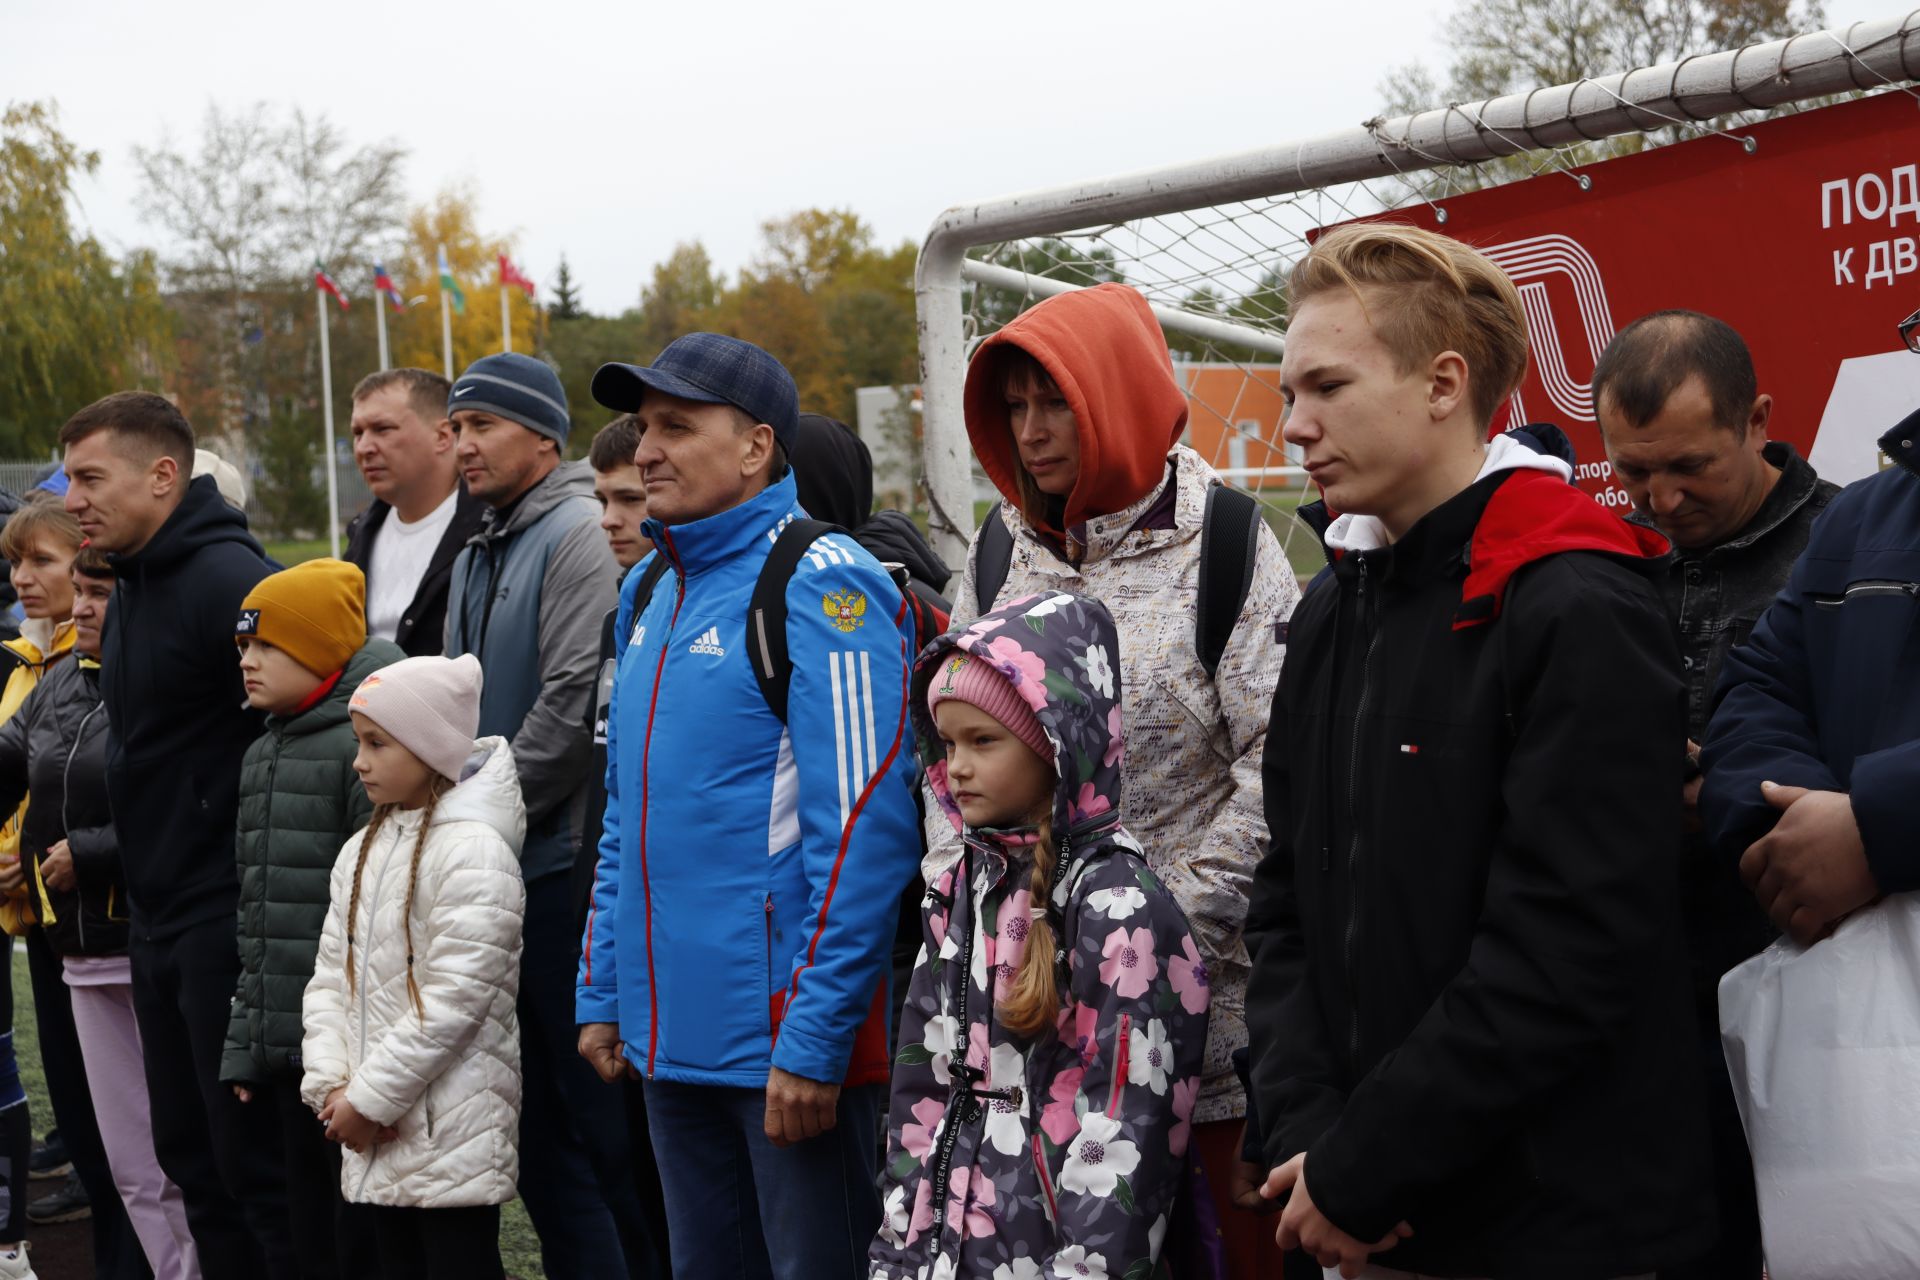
[{"x": 1108, "y": 357}]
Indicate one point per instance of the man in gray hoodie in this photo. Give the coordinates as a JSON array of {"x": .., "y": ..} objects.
[{"x": 527, "y": 595}]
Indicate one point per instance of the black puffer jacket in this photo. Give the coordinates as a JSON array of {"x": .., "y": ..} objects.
[
  {"x": 1469, "y": 1005},
  {"x": 56, "y": 747}
]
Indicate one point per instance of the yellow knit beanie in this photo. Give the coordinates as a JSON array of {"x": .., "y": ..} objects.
[{"x": 315, "y": 612}]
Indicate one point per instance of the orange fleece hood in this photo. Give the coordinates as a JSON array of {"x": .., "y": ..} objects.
[{"x": 1108, "y": 357}]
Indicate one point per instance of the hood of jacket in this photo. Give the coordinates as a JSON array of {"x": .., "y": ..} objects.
[
  {"x": 569, "y": 479},
  {"x": 202, "y": 519},
  {"x": 894, "y": 538},
  {"x": 833, "y": 478},
  {"x": 332, "y": 709},
  {"x": 1108, "y": 357},
  {"x": 40, "y": 640},
  {"x": 1062, "y": 653},
  {"x": 488, "y": 791},
  {"x": 1535, "y": 512},
  {"x": 832, "y": 470}
]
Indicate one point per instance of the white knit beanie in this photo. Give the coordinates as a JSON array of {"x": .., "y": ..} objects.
[{"x": 430, "y": 706}]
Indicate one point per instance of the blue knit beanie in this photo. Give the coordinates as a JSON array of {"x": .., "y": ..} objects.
[{"x": 515, "y": 387}]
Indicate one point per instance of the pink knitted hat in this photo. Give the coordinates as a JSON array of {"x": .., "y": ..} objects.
[
  {"x": 430, "y": 706},
  {"x": 963, "y": 678}
]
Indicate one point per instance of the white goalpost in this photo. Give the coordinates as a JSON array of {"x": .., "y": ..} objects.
[{"x": 1209, "y": 242}]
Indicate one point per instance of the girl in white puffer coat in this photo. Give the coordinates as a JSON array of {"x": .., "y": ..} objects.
[{"x": 412, "y": 1049}]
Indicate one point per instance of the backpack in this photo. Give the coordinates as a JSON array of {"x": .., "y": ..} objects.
[
  {"x": 767, "y": 609},
  {"x": 1229, "y": 550}
]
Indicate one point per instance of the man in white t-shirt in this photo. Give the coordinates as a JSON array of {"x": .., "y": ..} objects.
[{"x": 421, "y": 515}]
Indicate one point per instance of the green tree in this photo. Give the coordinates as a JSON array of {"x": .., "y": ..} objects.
[
  {"x": 576, "y": 348},
  {"x": 682, "y": 295},
  {"x": 291, "y": 497},
  {"x": 74, "y": 324},
  {"x": 566, "y": 295},
  {"x": 1051, "y": 258}
]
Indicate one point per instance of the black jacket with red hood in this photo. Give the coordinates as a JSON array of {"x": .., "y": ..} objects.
[{"x": 1469, "y": 1003}]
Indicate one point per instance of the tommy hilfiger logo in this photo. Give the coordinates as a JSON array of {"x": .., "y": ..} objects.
[{"x": 709, "y": 643}]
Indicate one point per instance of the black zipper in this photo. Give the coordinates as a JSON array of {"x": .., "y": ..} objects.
[{"x": 1353, "y": 819}]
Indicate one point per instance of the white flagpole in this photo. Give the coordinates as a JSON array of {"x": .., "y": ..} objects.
[
  {"x": 380, "y": 320},
  {"x": 446, "y": 330},
  {"x": 506, "y": 323},
  {"x": 326, "y": 416}
]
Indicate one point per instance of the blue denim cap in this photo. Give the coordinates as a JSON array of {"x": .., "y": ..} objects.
[{"x": 710, "y": 368}]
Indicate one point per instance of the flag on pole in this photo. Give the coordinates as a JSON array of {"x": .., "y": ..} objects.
[
  {"x": 326, "y": 284},
  {"x": 449, "y": 284},
  {"x": 384, "y": 283},
  {"x": 510, "y": 275}
]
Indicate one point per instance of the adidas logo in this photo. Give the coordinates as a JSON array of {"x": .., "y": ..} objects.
[{"x": 709, "y": 643}]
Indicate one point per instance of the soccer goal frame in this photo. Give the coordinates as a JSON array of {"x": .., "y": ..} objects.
[{"x": 1688, "y": 93}]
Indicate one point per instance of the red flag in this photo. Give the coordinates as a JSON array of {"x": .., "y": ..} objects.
[
  {"x": 326, "y": 285},
  {"x": 510, "y": 275}
]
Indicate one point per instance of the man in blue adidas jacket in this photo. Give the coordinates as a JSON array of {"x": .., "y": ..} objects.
[{"x": 750, "y": 870}]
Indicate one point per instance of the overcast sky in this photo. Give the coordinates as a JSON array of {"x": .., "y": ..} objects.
[{"x": 609, "y": 131}]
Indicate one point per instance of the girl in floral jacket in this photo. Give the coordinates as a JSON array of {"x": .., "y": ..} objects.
[{"x": 1051, "y": 1043}]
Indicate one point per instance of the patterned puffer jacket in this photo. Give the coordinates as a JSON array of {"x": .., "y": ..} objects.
[
  {"x": 1061, "y": 1154},
  {"x": 1129, "y": 536},
  {"x": 447, "y": 1074}
]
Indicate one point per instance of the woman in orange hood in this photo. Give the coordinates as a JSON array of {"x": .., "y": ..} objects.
[{"x": 1074, "y": 413}]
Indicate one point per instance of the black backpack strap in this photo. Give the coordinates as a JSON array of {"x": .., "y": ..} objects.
[
  {"x": 767, "y": 611},
  {"x": 1229, "y": 550},
  {"x": 649, "y": 581},
  {"x": 991, "y": 560}
]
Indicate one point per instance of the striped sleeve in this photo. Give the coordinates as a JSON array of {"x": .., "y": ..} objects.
[{"x": 850, "y": 641}]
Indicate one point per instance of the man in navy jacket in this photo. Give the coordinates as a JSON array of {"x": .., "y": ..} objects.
[{"x": 1813, "y": 758}]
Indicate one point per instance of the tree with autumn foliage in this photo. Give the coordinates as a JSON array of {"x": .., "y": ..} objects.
[
  {"x": 74, "y": 323},
  {"x": 474, "y": 255}
]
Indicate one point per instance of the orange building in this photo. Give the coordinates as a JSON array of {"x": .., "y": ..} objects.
[{"x": 1233, "y": 421}]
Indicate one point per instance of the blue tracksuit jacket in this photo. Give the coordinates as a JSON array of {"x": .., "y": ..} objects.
[{"x": 750, "y": 872}]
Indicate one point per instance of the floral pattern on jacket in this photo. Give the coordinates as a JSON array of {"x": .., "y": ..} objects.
[
  {"x": 1064, "y": 1155},
  {"x": 1194, "y": 794}
]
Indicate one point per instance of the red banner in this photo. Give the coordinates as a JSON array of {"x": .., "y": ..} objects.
[{"x": 1809, "y": 245}]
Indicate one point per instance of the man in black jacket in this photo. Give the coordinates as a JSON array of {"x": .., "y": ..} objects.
[
  {"x": 421, "y": 515},
  {"x": 1472, "y": 1038},
  {"x": 1685, "y": 427},
  {"x": 178, "y": 727}
]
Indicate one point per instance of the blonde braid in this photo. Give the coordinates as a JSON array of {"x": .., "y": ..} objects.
[
  {"x": 367, "y": 837},
  {"x": 1033, "y": 999},
  {"x": 440, "y": 788}
]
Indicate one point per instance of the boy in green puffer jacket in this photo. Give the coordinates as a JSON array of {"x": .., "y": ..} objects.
[{"x": 304, "y": 649}]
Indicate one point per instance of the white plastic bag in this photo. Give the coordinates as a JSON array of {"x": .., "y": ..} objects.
[{"x": 1823, "y": 1044}]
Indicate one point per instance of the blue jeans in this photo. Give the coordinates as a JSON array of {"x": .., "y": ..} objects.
[{"x": 740, "y": 1208}]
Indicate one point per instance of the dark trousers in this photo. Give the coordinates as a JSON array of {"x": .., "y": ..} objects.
[
  {"x": 1736, "y": 1253},
  {"x": 740, "y": 1208},
  {"x": 117, "y": 1254},
  {"x": 223, "y": 1154},
  {"x": 437, "y": 1244},
  {"x": 332, "y": 1240},
  {"x": 646, "y": 1177},
  {"x": 576, "y": 1171}
]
